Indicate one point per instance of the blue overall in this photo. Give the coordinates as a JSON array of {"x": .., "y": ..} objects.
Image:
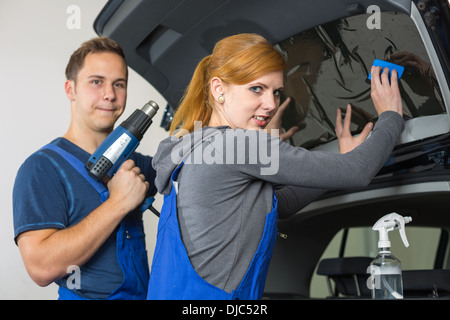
[
  {"x": 131, "y": 251},
  {"x": 172, "y": 275}
]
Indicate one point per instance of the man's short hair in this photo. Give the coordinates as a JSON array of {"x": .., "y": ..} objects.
[{"x": 95, "y": 45}]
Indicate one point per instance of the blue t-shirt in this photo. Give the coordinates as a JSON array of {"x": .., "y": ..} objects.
[{"x": 49, "y": 193}]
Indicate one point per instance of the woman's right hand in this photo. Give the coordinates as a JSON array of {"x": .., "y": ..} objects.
[{"x": 385, "y": 96}]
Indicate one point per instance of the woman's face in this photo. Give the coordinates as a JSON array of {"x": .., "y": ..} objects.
[{"x": 248, "y": 106}]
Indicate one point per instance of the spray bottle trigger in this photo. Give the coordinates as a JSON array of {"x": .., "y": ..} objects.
[
  {"x": 389, "y": 223},
  {"x": 402, "y": 223}
]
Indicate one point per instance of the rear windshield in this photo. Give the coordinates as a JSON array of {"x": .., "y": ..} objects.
[{"x": 327, "y": 67}]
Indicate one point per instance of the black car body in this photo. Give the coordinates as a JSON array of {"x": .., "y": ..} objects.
[{"x": 329, "y": 46}]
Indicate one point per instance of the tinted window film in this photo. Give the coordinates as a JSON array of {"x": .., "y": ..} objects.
[{"x": 327, "y": 67}]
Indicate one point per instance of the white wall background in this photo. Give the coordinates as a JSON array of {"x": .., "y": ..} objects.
[{"x": 35, "y": 45}]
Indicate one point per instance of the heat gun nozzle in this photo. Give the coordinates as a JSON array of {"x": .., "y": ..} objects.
[
  {"x": 140, "y": 119},
  {"x": 150, "y": 108}
]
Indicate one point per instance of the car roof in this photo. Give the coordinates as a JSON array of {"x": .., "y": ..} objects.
[{"x": 165, "y": 39}]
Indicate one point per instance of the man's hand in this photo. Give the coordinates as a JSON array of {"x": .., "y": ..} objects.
[
  {"x": 128, "y": 186},
  {"x": 347, "y": 142}
]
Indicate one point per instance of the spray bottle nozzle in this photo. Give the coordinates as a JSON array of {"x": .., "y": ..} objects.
[{"x": 388, "y": 223}]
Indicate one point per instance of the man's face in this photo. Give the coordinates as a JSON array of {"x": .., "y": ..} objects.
[{"x": 100, "y": 91}]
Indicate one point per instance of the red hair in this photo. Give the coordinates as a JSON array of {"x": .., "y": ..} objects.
[{"x": 237, "y": 59}]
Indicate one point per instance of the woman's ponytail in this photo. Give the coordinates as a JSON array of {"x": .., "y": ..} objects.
[{"x": 195, "y": 104}]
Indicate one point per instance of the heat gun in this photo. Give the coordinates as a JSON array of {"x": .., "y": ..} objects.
[{"x": 121, "y": 143}]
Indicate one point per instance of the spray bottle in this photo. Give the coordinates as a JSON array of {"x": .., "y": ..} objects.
[{"x": 385, "y": 269}]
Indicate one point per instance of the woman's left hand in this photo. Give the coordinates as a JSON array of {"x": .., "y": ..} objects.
[
  {"x": 275, "y": 122},
  {"x": 347, "y": 142}
]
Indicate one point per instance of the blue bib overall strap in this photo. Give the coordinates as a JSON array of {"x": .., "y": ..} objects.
[
  {"x": 173, "y": 277},
  {"x": 131, "y": 251}
]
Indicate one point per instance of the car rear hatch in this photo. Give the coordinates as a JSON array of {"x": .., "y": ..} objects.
[{"x": 329, "y": 46}]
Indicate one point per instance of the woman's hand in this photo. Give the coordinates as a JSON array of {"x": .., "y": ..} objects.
[
  {"x": 385, "y": 95},
  {"x": 275, "y": 122},
  {"x": 346, "y": 141}
]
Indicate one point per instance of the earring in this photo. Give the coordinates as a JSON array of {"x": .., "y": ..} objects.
[{"x": 221, "y": 99}]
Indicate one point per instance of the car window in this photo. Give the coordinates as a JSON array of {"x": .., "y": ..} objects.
[
  {"x": 327, "y": 67},
  {"x": 363, "y": 242}
]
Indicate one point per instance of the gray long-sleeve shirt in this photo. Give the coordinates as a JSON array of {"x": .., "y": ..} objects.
[{"x": 226, "y": 186}]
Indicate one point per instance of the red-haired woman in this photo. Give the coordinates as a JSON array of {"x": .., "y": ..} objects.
[{"x": 225, "y": 179}]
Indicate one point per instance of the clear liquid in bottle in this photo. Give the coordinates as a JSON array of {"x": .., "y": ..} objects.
[{"x": 386, "y": 274}]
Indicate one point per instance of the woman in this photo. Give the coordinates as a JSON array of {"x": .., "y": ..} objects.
[{"x": 223, "y": 180}]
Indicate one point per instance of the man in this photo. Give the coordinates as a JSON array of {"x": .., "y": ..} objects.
[{"x": 64, "y": 220}]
